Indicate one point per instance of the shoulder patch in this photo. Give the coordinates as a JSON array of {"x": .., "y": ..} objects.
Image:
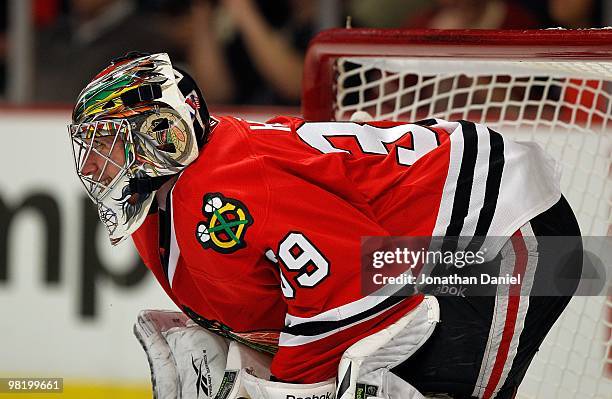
[{"x": 225, "y": 225}]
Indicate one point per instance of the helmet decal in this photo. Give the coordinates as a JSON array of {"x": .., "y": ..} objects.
[
  {"x": 164, "y": 132},
  {"x": 132, "y": 122},
  {"x": 103, "y": 95}
]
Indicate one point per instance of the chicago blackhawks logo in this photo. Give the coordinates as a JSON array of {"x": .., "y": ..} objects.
[{"x": 226, "y": 224}]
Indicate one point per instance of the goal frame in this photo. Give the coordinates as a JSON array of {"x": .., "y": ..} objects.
[{"x": 535, "y": 45}]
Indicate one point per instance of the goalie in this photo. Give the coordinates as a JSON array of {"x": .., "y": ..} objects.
[{"x": 254, "y": 231}]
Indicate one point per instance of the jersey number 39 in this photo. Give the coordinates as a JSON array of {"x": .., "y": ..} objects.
[{"x": 301, "y": 260}]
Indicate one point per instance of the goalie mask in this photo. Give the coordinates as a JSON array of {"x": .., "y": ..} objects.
[{"x": 135, "y": 125}]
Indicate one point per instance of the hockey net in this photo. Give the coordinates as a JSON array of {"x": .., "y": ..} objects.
[{"x": 549, "y": 86}]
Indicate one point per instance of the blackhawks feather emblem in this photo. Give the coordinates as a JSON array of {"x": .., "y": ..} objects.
[{"x": 226, "y": 223}]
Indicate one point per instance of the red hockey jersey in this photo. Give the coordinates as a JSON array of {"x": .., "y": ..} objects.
[{"x": 260, "y": 239}]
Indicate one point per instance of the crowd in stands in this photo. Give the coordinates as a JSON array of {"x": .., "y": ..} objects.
[{"x": 242, "y": 51}]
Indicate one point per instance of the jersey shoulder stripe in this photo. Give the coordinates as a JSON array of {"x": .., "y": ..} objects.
[
  {"x": 494, "y": 175},
  {"x": 465, "y": 179},
  {"x": 493, "y": 186}
]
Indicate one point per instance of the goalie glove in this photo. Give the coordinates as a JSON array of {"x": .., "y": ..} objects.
[{"x": 186, "y": 360}]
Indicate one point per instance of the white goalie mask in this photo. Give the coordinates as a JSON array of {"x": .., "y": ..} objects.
[{"x": 138, "y": 123}]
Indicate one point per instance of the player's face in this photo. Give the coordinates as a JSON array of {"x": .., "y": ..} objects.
[
  {"x": 99, "y": 150},
  {"x": 105, "y": 160}
]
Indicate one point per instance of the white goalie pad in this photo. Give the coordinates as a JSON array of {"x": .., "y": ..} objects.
[
  {"x": 364, "y": 367},
  {"x": 242, "y": 360},
  {"x": 257, "y": 388},
  {"x": 186, "y": 360},
  {"x": 200, "y": 358},
  {"x": 148, "y": 329},
  {"x": 247, "y": 376}
]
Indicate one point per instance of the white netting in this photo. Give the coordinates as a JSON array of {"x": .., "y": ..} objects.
[{"x": 566, "y": 106}]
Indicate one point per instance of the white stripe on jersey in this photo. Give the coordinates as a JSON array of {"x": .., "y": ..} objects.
[
  {"x": 497, "y": 324},
  {"x": 526, "y": 285},
  {"x": 174, "y": 250},
  {"x": 477, "y": 196},
  {"x": 532, "y": 261},
  {"x": 501, "y": 315},
  {"x": 529, "y": 184},
  {"x": 450, "y": 185},
  {"x": 286, "y": 339},
  {"x": 341, "y": 313}
]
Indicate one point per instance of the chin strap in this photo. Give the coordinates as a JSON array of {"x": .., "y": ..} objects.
[{"x": 146, "y": 185}]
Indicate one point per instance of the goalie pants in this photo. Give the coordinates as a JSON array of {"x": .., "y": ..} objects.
[{"x": 483, "y": 345}]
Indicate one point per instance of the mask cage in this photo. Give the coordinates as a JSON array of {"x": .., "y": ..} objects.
[{"x": 103, "y": 154}]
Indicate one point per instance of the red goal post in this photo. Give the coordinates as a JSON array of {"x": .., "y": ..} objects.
[{"x": 551, "y": 86}]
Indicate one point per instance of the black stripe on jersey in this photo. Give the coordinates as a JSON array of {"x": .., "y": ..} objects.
[
  {"x": 496, "y": 168},
  {"x": 426, "y": 122},
  {"x": 465, "y": 180},
  {"x": 312, "y": 328},
  {"x": 165, "y": 223},
  {"x": 346, "y": 382}
]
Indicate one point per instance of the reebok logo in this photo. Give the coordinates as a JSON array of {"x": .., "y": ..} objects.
[
  {"x": 450, "y": 291},
  {"x": 202, "y": 370},
  {"x": 327, "y": 395}
]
